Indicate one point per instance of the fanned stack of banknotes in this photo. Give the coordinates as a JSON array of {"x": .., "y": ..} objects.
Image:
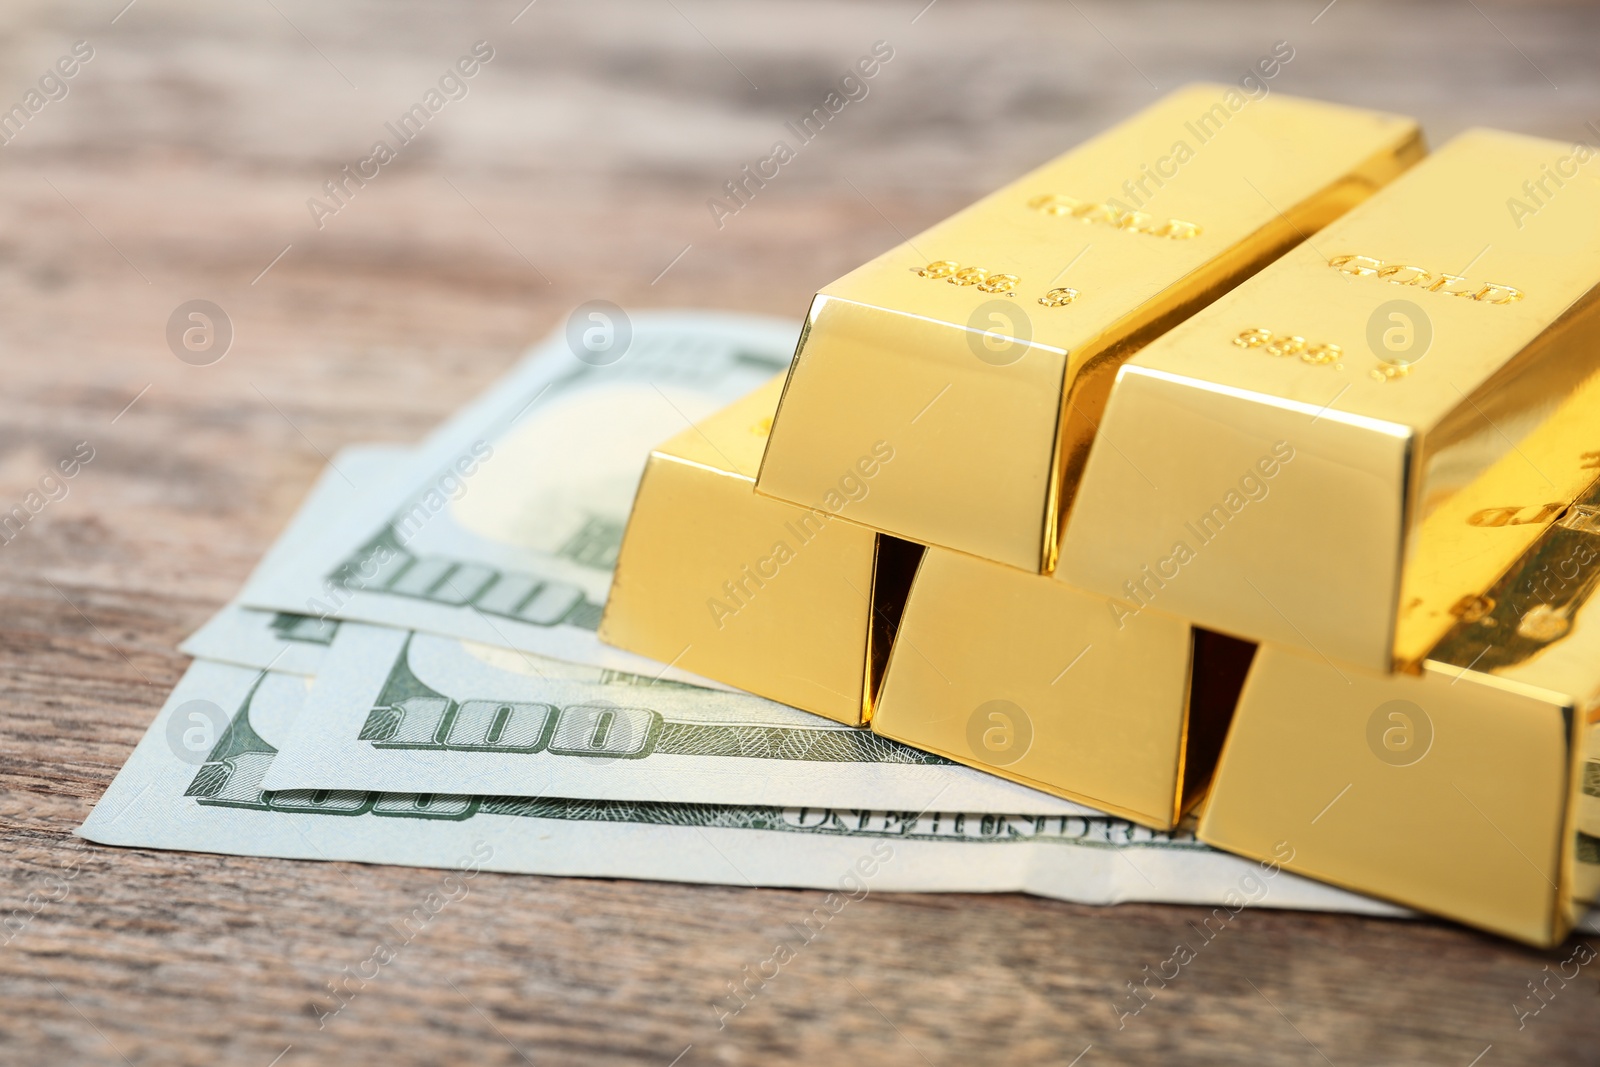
[
  {"x": 414, "y": 673},
  {"x": 274, "y": 743}
]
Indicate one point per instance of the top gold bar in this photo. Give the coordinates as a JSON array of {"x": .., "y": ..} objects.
[
  {"x": 1344, "y": 453},
  {"x": 982, "y": 349}
]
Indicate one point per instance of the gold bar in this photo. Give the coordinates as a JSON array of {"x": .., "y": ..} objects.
[
  {"x": 1345, "y": 450},
  {"x": 1019, "y": 675},
  {"x": 1471, "y": 791},
  {"x": 753, "y": 592},
  {"x": 983, "y": 348}
]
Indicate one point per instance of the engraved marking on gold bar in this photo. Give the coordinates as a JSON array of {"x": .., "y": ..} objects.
[
  {"x": 1317, "y": 354},
  {"x": 1366, "y": 266},
  {"x": 1136, "y": 221},
  {"x": 978, "y": 277}
]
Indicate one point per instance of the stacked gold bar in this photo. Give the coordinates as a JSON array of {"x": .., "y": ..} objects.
[
  {"x": 882, "y": 537},
  {"x": 758, "y": 593},
  {"x": 1402, "y": 404},
  {"x": 1471, "y": 790}
]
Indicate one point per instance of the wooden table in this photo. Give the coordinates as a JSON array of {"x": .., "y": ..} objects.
[{"x": 179, "y": 166}]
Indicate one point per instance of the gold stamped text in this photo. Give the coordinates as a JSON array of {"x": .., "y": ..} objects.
[
  {"x": 1432, "y": 282},
  {"x": 1136, "y": 221}
]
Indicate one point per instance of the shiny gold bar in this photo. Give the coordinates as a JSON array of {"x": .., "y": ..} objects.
[
  {"x": 753, "y": 592},
  {"x": 1019, "y": 675},
  {"x": 983, "y": 348},
  {"x": 1472, "y": 791},
  {"x": 1346, "y": 450}
]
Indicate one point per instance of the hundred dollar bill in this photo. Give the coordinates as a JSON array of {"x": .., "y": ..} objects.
[
  {"x": 429, "y": 714},
  {"x": 507, "y": 526},
  {"x": 195, "y": 783}
]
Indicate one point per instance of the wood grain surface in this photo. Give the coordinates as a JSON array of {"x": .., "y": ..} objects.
[{"x": 178, "y": 166}]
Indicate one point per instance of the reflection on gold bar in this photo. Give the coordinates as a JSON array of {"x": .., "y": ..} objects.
[
  {"x": 982, "y": 349},
  {"x": 749, "y": 591},
  {"x": 1472, "y": 791},
  {"x": 1345, "y": 451},
  {"x": 1021, "y": 676}
]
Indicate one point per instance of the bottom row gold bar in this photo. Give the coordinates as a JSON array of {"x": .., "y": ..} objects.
[
  {"x": 1446, "y": 793},
  {"x": 1030, "y": 679},
  {"x": 753, "y": 592},
  {"x": 1472, "y": 791}
]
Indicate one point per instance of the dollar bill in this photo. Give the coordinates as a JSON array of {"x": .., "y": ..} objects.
[
  {"x": 430, "y": 714},
  {"x": 506, "y": 526},
  {"x": 194, "y": 783}
]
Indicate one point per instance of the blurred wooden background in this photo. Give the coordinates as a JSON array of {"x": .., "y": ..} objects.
[{"x": 178, "y": 166}]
